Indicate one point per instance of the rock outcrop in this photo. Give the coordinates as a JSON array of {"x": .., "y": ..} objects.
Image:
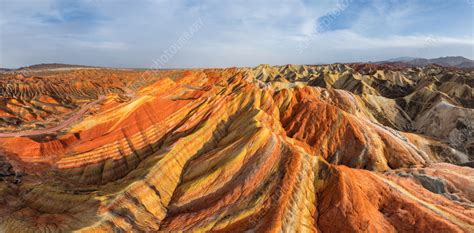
[{"x": 330, "y": 148}]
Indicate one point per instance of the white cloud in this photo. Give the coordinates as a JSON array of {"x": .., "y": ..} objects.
[
  {"x": 133, "y": 34},
  {"x": 346, "y": 39}
]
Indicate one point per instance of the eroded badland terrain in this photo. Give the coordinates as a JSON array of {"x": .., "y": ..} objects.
[{"x": 329, "y": 148}]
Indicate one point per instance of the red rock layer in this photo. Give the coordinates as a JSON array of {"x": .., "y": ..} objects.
[{"x": 233, "y": 150}]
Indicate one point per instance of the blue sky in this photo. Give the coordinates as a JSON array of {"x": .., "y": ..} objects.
[{"x": 123, "y": 33}]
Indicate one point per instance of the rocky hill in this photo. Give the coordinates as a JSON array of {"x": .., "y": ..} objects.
[
  {"x": 329, "y": 148},
  {"x": 449, "y": 61}
]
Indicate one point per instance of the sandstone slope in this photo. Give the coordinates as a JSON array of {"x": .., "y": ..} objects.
[{"x": 329, "y": 148}]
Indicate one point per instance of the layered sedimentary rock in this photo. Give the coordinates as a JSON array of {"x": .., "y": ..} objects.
[{"x": 330, "y": 148}]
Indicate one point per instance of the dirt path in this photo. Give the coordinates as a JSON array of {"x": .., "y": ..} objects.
[{"x": 60, "y": 126}]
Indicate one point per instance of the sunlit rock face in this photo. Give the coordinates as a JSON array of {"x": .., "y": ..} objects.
[{"x": 329, "y": 148}]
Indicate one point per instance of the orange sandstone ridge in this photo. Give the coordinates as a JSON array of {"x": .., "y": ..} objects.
[{"x": 327, "y": 148}]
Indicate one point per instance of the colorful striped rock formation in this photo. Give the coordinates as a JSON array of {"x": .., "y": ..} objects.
[{"x": 329, "y": 148}]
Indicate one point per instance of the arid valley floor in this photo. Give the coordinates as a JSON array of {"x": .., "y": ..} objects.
[{"x": 295, "y": 148}]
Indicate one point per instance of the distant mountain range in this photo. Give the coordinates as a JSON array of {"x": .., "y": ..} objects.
[
  {"x": 450, "y": 61},
  {"x": 45, "y": 66}
]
